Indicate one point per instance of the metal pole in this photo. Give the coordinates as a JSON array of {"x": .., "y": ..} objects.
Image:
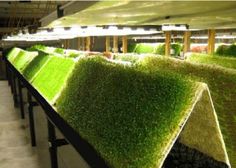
[
  {"x": 22, "y": 110},
  {"x": 14, "y": 90},
  {"x": 52, "y": 147},
  {"x": 31, "y": 119}
]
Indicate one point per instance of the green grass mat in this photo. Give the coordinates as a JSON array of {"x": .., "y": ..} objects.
[
  {"x": 57, "y": 51},
  {"x": 222, "y": 85},
  {"x": 145, "y": 48},
  {"x": 227, "y": 62},
  {"x": 34, "y": 66},
  {"x": 51, "y": 78},
  {"x": 154, "y": 48},
  {"x": 47, "y": 50},
  {"x": 22, "y": 59},
  {"x": 13, "y": 53},
  {"x": 226, "y": 50},
  {"x": 127, "y": 57},
  {"x": 127, "y": 115}
]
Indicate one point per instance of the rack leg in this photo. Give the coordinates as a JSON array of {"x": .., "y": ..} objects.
[
  {"x": 7, "y": 73},
  {"x": 14, "y": 91},
  {"x": 22, "y": 110},
  {"x": 31, "y": 104},
  {"x": 11, "y": 80},
  {"x": 52, "y": 147}
]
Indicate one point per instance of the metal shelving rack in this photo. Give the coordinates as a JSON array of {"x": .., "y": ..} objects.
[{"x": 54, "y": 120}]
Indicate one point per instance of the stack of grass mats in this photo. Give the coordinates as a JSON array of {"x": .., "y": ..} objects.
[
  {"x": 227, "y": 62},
  {"x": 20, "y": 58},
  {"x": 133, "y": 118},
  {"x": 222, "y": 84},
  {"x": 51, "y": 78}
]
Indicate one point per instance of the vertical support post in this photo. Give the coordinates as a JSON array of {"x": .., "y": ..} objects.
[
  {"x": 78, "y": 46},
  {"x": 211, "y": 41},
  {"x": 31, "y": 119},
  {"x": 167, "y": 43},
  {"x": 88, "y": 43},
  {"x": 52, "y": 147},
  {"x": 107, "y": 43},
  {"x": 124, "y": 44},
  {"x": 7, "y": 72},
  {"x": 22, "y": 110},
  {"x": 115, "y": 44},
  {"x": 10, "y": 80},
  {"x": 187, "y": 41},
  {"x": 64, "y": 43},
  {"x": 82, "y": 41},
  {"x": 68, "y": 43},
  {"x": 14, "y": 90}
]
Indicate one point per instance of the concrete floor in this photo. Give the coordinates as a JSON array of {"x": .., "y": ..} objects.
[{"x": 15, "y": 147}]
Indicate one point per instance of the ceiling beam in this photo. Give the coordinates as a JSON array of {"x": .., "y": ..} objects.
[{"x": 69, "y": 8}]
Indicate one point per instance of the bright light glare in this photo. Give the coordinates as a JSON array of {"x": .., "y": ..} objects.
[
  {"x": 173, "y": 27},
  {"x": 62, "y": 33},
  {"x": 217, "y": 37}
]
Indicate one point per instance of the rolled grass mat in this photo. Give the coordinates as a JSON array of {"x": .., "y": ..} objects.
[
  {"x": 131, "y": 118},
  {"x": 227, "y": 62},
  {"x": 51, "y": 78},
  {"x": 222, "y": 84}
]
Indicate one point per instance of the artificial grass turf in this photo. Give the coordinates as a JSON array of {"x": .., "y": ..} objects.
[
  {"x": 22, "y": 59},
  {"x": 227, "y": 62},
  {"x": 127, "y": 115},
  {"x": 51, "y": 78},
  {"x": 222, "y": 85}
]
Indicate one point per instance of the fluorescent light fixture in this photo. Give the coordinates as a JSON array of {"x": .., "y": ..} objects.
[
  {"x": 217, "y": 37},
  {"x": 199, "y": 37},
  {"x": 148, "y": 37},
  {"x": 59, "y": 33},
  {"x": 174, "y": 27}
]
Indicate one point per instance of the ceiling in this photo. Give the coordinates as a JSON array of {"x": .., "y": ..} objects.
[
  {"x": 17, "y": 14},
  {"x": 197, "y": 14}
]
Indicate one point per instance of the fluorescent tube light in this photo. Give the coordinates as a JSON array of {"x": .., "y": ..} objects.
[{"x": 174, "y": 27}]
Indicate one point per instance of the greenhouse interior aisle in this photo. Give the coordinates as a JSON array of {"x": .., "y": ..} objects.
[{"x": 15, "y": 147}]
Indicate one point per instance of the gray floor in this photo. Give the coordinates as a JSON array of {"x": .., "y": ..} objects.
[{"x": 15, "y": 147}]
